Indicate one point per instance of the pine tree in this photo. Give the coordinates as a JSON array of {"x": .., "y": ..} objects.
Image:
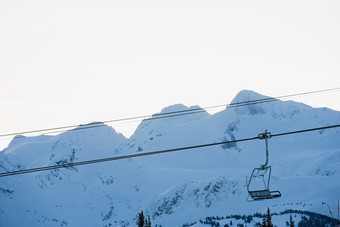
[
  {"x": 269, "y": 219},
  {"x": 264, "y": 222},
  {"x": 291, "y": 222},
  {"x": 140, "y": 221},
  {"x": 148, "y": 222}
]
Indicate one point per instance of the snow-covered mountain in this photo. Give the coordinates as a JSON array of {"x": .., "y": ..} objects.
[{"x": 179, "y": 187}]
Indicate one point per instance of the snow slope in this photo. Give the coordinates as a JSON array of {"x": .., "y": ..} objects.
[{"x": 179, "y": 187}]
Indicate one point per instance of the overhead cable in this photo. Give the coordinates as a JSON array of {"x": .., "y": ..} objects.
[
  {"x": 165, "y": 115},
  {"x": 135, "y": 155}
]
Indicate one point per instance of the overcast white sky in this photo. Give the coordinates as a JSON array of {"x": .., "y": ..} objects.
[{"x": 68, "y": 62}]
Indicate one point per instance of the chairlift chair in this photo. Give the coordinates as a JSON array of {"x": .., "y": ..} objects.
[{"x": 264, "y": 173}]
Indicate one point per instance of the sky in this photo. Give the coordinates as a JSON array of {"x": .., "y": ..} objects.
[{"x": 70, "y": 62}]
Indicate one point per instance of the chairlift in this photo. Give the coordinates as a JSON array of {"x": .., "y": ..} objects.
[{"x": 262, "y": 173}]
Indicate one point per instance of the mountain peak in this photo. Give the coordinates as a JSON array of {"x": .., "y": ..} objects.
[
  {"x": 248, "y": 95},
  {"x": 174, "y": 108},
  {"x": 179, "y": 108}
]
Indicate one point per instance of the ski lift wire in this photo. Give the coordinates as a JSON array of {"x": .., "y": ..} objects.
[
  {"x": 68, "y": 165},
  {"x": 163, "y": 115}
]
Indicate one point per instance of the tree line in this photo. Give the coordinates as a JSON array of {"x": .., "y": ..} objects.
[{"x": 308, "y": 219}]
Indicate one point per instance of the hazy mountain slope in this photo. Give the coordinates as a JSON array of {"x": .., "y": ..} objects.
[{"x": 179, "y": 187}]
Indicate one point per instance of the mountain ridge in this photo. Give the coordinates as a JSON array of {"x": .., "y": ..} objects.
[{"x": 166, "y": 186}]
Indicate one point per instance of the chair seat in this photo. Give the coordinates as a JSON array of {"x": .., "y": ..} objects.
[{"x": 264, "y": 194}]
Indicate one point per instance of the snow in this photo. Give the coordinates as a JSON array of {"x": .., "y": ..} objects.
[
  {"x": 248, "y": 95},
  {"x": 179, "y": 187}
]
